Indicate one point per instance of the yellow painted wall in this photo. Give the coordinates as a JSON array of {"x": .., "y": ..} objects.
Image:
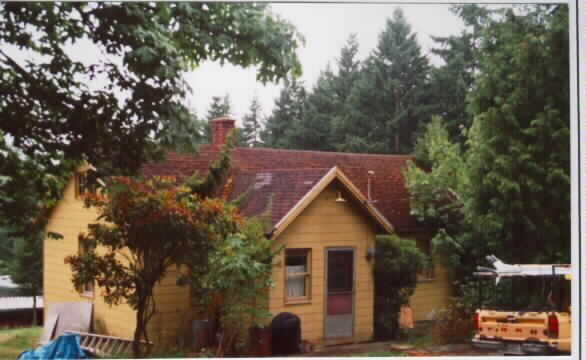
[
  {"x": 431, "y": 295},
  {"x": 327, "y": 223},
  {"x": 70, "y": 218},
  {"x": 324, "y": 223}
]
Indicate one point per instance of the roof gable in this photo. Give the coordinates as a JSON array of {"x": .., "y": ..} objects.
[{"x": 331, "y": 175}]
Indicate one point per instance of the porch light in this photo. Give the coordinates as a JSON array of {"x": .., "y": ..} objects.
[
  {"x": 370, "y": 253},
  {"x": 340, "y": 198}
]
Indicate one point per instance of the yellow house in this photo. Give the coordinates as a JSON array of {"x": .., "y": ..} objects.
[{"x": 323, "y": 208}]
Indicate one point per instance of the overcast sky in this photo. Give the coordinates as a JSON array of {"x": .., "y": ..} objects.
[{"x": 326, "y": 27}]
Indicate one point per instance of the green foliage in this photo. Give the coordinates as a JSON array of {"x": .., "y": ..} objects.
[
  {"x": 436, "y": 187},
  {"x": 342, "y": 84},
  {"x": 25, "y": 267},
  {"x": 397, "y": 262},
  {"x": 519, "y": 157},
  {"x": 454, "y": 322},
  {"x": 321, "y": 124},
  {"x": 184, "y": 134},
  {"x": 219, "y": 107},
  {"x": 288, "y": 110},
  {"x": 509, "y": 193},
  {"x": 252, "y": 124},
  {"x": 207, "y": 186},
  {"x": 438, "y": 184},
  {"x": 237, "y": 283},
  {"x": 312, "y": 131},
  {"x": 56, "y": 113},
  {"x": 57, "y": 120},
  {"x": 27, "y": 189},
  {"x": 389, "y": 98},
  {"x": 136, "y": 216},
  {"x": 15, "y": 341},
  {"x": 451, "y": 82}
]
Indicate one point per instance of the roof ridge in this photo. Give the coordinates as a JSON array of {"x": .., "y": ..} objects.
[
  {"x": 280, "y": 169},
  {"x": 326, "y": 152},
  {"x": 333, "y": 153}
]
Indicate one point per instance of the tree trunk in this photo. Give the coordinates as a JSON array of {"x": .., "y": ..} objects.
[
  {"x": 136, "y": 350},
  {"x": 397, "y": 142},
  {"x": 34, "y": 310}
]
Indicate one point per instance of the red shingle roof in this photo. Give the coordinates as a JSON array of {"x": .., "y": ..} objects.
[{"x": 290, "y": 173}]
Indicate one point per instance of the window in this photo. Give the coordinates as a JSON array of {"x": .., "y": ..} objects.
[
  {"x": 84, "y": 184},
  {"x": 86, "y": 289},
  {"x": 297, "y": 274},
  {"x": 428, "y": 273}
]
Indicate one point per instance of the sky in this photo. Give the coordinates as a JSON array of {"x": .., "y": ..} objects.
[{"x": 325, "y": 27}]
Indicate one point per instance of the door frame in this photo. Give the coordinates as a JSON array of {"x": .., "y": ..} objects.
[{"x": 327, "y": 249}]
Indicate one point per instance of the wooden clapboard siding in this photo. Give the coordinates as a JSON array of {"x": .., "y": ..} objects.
[
  {"x": 70, "y": 218},
  {"x": 431, "y": 295},
  {"x": 326, "y": 223}
]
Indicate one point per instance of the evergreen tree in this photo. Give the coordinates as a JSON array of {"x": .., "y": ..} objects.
[
  {"x": 26, "y": 267},
  {"x": 183, "y": 135},
  {"x": 312, "y": 130},
  {"x": 508, "y": 194},
  {"x": 219, "y": 107},
  {"x": 289, "y": 108},
  {"x": 323, "y": 124},
  {"x": 342, "y": 85},
  {"x": 252, "y": 124},
  {"x": 388, "y": 100},
  {"x": 519, "y": 142},
  {"x": 451, "y": 82}
]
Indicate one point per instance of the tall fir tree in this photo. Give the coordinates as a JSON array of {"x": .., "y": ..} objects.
[
  {"x": 289, "y": 108},
  {"x": 343, "y": 82},
  {"x": 312, "y": 130},
  {"x": 219, "y": 107},
  {"x": 451, "y": 82},
  {"x": 252, "y": 124},
  {"x": 388, "y": 101},
  {"x": 519, "y": 142},
  {"x": 322, "y": 126}
]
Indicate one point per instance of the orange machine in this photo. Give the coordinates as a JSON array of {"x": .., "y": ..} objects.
[{"x": 539, "y": 327}]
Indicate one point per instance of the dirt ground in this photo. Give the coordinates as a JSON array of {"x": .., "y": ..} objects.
[{"x": 394, "y": 347}]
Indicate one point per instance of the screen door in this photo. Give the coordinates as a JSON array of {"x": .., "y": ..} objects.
[{"x": 339, "y": 292}]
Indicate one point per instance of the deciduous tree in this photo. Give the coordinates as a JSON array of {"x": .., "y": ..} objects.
[{"x": 59, "y": 110}]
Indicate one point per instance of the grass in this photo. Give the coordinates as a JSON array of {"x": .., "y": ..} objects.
[
  {"x": 15, "y": 341},
  {"x": 420, "y": 337}
]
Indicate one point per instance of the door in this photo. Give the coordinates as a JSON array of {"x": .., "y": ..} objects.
[{"x": 339, "y": 318}]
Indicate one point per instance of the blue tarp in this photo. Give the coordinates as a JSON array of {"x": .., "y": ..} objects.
[{"x": 64, "y": 347}]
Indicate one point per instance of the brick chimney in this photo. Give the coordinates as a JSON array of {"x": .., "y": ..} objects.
[{"x": 220, "y": 128}]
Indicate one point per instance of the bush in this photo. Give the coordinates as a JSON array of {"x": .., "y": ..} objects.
[
  {"x": 453, "y": 324},
  {"x": 397, "y": 262}
]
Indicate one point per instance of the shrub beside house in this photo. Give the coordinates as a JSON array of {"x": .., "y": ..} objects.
[{"x": 324, "y": 208}]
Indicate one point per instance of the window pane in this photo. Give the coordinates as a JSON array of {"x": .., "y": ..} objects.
[
  {"x": 296, "y": 263},
  {"x": 340, "y": 270}
]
